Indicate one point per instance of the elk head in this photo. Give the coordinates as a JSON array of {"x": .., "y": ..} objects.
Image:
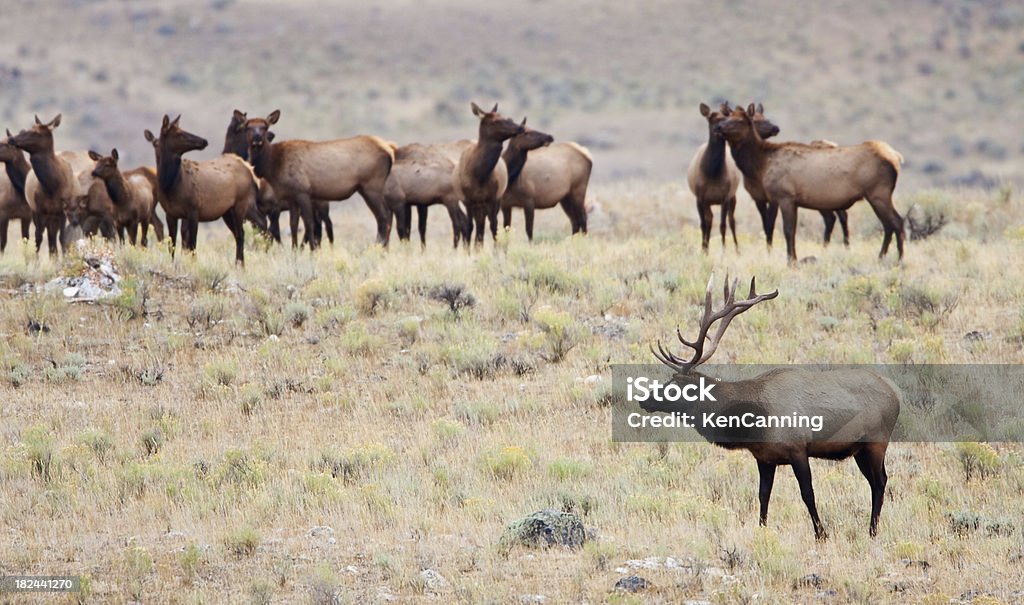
[
  {"x": 8, "y": 152},
  {"x": 529, "y": 139},
  {"x": 175, "y": 141},
  {"x": 76, "y": 208},
  {"x": 106, "y": 167},
  {"x": 736, "y": 127},
  {"x": 765, "y": 128},
  {"x": 714, "y": 117},
  {"x": 494, "y": 126},
  {"x": 257, "y": 130},
  {"x": 37, "y": 138},
  {"x": 703, "y": 346}
]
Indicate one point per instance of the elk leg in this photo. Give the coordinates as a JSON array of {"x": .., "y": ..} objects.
[
  {"x": 293, "y": 222},
  {"x": 3, "y": 234},
  {"x": 38, "y": 220},
  {"x": 403, "y": 222},
  {"x": 144, "y": 227},
  {"x": 891, "y": 221},
  {"x": 802, "y": 470},
  {"x": 480, "y": 220},
  {"x": 457, "y": 218},
  {"x": 172, "y": 230},
  {"x": 274, "y": 225},
  {"x": 732, "y": 223},
  {"x": 493, "y": 218},
  {"x": 764, "y": 492},
  {"x": 528, "y": 214},
  {"x": 706, "y": 217},
  {"x": 871, "y": 462},
  {"x": 378, "y": 206},
  {"x": 325, "y": 216},
  {"x": 789, "y": 228},
  {"x": 506, "y": 217},
  {"x": 830, "y": 223},
  {"x": 53, "y": 229},
  {"x": 421, "y": 214},
  {"x": 133, "y": 233},
  {"x": 846, "y": 229},
  {"x": 234, "y": 223}
]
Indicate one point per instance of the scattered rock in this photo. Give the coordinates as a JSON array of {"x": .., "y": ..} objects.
[
  {"x": 543, "y": 529},
  {"x": 831, "y": 593},
  {"x": 976, "y": 336},
  {"x": 97, "y": 280},
  {"x": 632, "y": 584},
  {"x": 809, "y": 260},
  {"x": 321, "y": 530},
  {"x": 527, "y": 599},
  {"x": 433, "y": 580},
  {"x": 924, "y": 565},
  {"x": 811, "y": 580}
]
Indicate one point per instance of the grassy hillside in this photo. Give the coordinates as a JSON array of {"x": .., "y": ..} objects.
[{"x": 190, "y": 440}]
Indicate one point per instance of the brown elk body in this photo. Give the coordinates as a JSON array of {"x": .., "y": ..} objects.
[
  {"x": 554, "y": 174},
  {"x": 303, "y": 171},
  {"x": 265, "y": 214},
  {"x": 52, "y": 183},
  {"x": 860, "y": 409},
  {"x": 221, "y": 188},
  {"x": 133, "y": 194},
  {"x": 420, "y": 178},
  {"x": 794, "y": 175},
  {"x": 713, "y": 179},
  {"x": 12, "y": 192},
  {"x": 768, "y": 210},
  {"x": 481, "y": 177}
]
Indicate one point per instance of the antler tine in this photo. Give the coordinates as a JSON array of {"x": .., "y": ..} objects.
[
  {"x": 667, "y": 358},
  {"x": 753, "y": 287}
]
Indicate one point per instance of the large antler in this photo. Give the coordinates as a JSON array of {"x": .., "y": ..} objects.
[{"x": 726, "y": 314}]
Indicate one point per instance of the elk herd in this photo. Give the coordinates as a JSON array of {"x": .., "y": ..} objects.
[{"x": 508, "y": 165}]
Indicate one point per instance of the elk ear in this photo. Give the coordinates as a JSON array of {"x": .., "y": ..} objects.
[
  {"x": 38, "y": 121},
  {"x": 274, "y": 116},
  {"x": 113, "y": 154},
  {"x": 705, "y": 110},
  {"x": 239, "y": 115},
  {"x": 149, "y": 136},
  {"x": 495, "y": 109},
  {"x": 476, "y": 110},
  {"x": 165, "y": 123},
  {"x": 94, "y": 156},
  {"x": 55, "y": 122},
  {"x": 176, "y": 120},
  {"x": 725, "y": 109},
  {"x": 760, "y": 108},
  {"x": 9, "y": 135},
  {"x": 750, "y": 109},
  {"x": 523, "y": 125}
]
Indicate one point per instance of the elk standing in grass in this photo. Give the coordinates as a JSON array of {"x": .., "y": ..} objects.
[
  {"x": 12, "y": 191},
  {"x": 481, "y": 177},
  {"x": 303, "y": 171},
  {"x": 713, "y": 178},
  {"x": 265, "y": 214},
  {"x": 422, "y": 177},
  {"x": 133, "y": 194},
  {"x": 53, "y": 181},
  {"x": 794, "y": 175},
  {"x": 541, "y": 177},
  {"x": 858, "y": 409},
  {"x": 770, "y": 211},
  {"x": 221, "y": 188}
]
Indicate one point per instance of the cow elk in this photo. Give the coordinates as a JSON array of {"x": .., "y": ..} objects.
[
  {"x": 265, "y": 214},
  {"x": 795, "y": 175},
  {"x": 420, "y": 178},
  {"x": 713, "y": 179},
  {"x": 543, "y": 174},
  {"x": 859, "y": 409},
  {"x": 133, "y": 194},
  {"x": 53, "y": 181},
  {"x": 303, "y": 171},
  {"x": 12, "y": 191},
  {"x": 221, "y": 188},
  {"x": 481, "y": 177}
]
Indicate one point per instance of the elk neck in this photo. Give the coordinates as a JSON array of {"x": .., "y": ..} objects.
[
  {"x": 484, "y": 158},
  {"x": 117, "y": 188},
  {"x": 264, "y": 160},
  {"x": 712, "y": 163},
  {"x": 168, "y": 170},
  {"x": 47, "y": 168},
  {"x": 515, "y": 159},
  {"x": 17, "y": 171},
  {"x": 750, "y": 155},
  {"x": 235, "y": 143}
]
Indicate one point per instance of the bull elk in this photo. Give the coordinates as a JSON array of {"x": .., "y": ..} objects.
[
  {"x": 53, "y": 181},
  {"x": 543, "y": 177},
  {"x": 859, "y": 407},
  {"x": 133, "y": 194},
  {"x": 303, "y": 171},
  {"x": 194, "y": 192},
  {"x": 795, "y": 175},
  {"x": 265, "y": 214},
  {"x": 481, "y": 176},
  {"x": 12, "y": 191},
  {"x": 422, "y": 177}
]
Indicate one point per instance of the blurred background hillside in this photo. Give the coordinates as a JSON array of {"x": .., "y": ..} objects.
[{"x": 941, "y": 80}]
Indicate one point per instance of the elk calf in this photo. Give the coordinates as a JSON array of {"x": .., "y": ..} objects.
[{"x": 133, "y": 194}]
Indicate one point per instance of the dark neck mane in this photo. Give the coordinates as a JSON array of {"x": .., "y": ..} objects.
[
  {"x": 712, "y": 164},
  {"x": 17, "y": 171},
  {"x": 233, "y": 143},
  {"x": 515, "y": 159},
  {"x": 46, "y": 165},
  {"x": 117, "y": 188},
  {"x": 484, "y": 158},
  {"x": 263, "y": 161},
  {"x": 168, "y": 171},
  {"x": 750, "y": 153}
]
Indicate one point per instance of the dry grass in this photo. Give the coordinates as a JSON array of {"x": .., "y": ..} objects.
[{"x": 193, "y": 450}]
